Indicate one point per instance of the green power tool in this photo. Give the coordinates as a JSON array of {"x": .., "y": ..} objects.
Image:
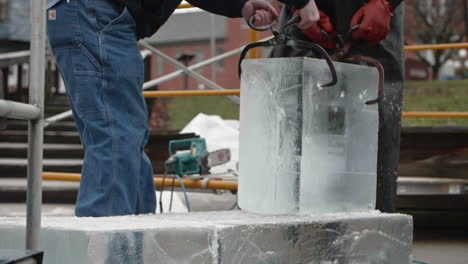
[{"x": 190, "y": 156}]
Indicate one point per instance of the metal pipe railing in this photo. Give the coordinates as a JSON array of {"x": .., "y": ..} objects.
[
  {"x": 36, "y": 127},
  {"x": 56, "y": 118},
  {"x": 158, "y": 181},
  {"x": 9, "y": 58},
  {"x": 10, "y": 109},
  {"x": 188, "y": 93},
  {"x": 194, "y": 74},
  {"x": 253, "y": 37},
  {"x": 34, "y": 112},
  {"x": 442, "y": 46},
  {"x": 232, "y": 92},
  {"x": 436, "y": 114}
]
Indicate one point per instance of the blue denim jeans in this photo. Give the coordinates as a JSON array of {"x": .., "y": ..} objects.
[{"x": 95, "y": 45}]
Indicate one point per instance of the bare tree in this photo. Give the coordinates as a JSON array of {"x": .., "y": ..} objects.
[{"x": 436, "y": 21}]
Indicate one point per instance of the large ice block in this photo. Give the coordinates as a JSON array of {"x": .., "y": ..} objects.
[
  {"x": 304, "y": 148},
  {"x": 233, "y": 237}
]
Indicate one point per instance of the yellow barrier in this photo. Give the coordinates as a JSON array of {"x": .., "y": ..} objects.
[
  {"x": 61, "y": 176},
  {"x": 197, "y": 184},
  {"x": 253, "y": 53},
  {"x": 187, "y": 93},
  {"x": 158, "y": 181},
  {"x": 436, "y": 114},
  {"x": 437, "y": 46}
]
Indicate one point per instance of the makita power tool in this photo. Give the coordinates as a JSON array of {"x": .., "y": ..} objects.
[{"x": 190, "y": 156}]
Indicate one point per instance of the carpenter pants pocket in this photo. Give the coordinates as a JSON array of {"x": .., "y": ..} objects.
[
  {"x": 90, "y": 100},
  {"x": 83, "y": 76}
]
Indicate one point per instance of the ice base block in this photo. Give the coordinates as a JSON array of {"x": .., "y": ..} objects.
[{"x": 220, "y": 237}]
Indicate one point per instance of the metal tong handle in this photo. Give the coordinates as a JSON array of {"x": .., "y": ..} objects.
[
  {"x": 251, "y": 21},
  {"x": 293, "y": 21},
  {"x": 281, "y": 38},
  {"x": 293, "y": 43}
]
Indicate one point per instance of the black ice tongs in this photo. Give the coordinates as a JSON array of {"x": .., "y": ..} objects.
[{"x": 280, "y": 37}]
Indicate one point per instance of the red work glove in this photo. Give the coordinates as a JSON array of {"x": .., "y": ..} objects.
[
  {"x": 374, "y": 18},
  {"x": 316, "y": 35}
]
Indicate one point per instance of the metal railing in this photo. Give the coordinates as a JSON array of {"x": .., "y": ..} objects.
[
  {"x": 436, "y": 46},
  {"x": 34, "y": 112},
  {"x": 190, "y": 93},
  {"x": 436, "y": 114},
  {"x": 158, "y": 181},
  {"x": 233, "y": 185},
  {"x": 17, "y": 63}
]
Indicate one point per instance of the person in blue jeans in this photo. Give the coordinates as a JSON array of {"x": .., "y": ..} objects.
[{"x": 95, "y": 46}]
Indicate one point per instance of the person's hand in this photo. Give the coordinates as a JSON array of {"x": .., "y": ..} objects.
[
  {"x": 316, "y": 35},
  {"x": 374, "y": 19},
  {"x": 309, "y": 15},
  {"x": 264, "y": 13}
]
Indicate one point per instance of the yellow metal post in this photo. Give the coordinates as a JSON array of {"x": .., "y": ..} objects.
[
  {"x": 197, "y": 184},
  {"x": 155, "y": 94},
  {"x": 158, "y": 181},
  {"x": 436, "y": 114},
  {"x": 253, "y": 53},
  {"x": 61, "y": 176},
  {"x": 437, "y": 46}
]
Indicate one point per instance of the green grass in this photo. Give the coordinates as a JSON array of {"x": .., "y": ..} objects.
[
  {"x": 184, "y": 109},
  {"x": 449, "y": 96},
  {"x": 439, "y": 96}
]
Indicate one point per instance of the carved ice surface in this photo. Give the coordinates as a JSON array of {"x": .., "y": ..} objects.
[
  {"x": 305, "y": 148},
  {"x": 270, "y": 130},
  {"x": 339, "y": 140},
  {"x": 233, "y": 237}
]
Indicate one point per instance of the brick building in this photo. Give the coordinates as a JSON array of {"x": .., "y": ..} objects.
[{"x": 188, "y": 32}]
